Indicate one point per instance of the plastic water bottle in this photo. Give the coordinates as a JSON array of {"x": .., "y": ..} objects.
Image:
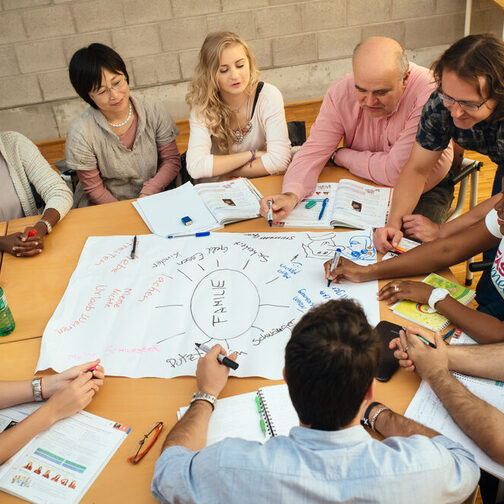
[{"x": 7, "y": 323}]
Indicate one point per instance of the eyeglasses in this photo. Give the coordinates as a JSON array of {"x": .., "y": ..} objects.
[
  {"x": 473, "y": 107},
  {"x": 140, "y": 451},
  {"x": 104, "y": 91}
]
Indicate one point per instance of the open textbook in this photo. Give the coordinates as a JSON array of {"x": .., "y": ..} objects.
[
  {"x": 255, "y": 416},
  {"x": 423, "y": 314},
  {"x": 59, "y": 465},
  {"x": 427, "y": 409},
  {"x": 344, "y": 204},
  {"x": 208, "y": 206}
]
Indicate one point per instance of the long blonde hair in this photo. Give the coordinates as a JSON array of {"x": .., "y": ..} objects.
[{"x": 204, "y": 93}]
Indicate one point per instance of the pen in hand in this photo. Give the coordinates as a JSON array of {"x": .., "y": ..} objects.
[
  {"x": 334, "y": 262},
  {"x": 270, "y": 214},
  {"x": 426, "y": 341},
  {"x": 221, "y": 358}
]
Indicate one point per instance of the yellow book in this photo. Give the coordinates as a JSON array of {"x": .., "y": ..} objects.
[{"x": 423, "y": 314}]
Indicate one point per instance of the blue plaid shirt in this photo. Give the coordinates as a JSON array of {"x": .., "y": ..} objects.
[{"x": 436, "y": 128}]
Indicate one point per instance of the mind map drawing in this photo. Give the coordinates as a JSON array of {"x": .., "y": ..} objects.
[{"x": 243, "y": 291}]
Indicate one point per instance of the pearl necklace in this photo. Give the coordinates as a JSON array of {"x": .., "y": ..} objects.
[{"x": 125, "y": 121}]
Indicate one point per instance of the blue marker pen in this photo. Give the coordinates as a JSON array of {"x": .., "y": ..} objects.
[
  {"x": 197, "y": 235},
  {"x": 324, "y": 204}
]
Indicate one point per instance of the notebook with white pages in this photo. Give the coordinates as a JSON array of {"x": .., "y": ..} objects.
[
  {"x": 427, "y": 408},
  {"x": 254, "y": 416}
]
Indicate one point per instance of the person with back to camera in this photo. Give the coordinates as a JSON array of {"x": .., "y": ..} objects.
[
  {"x": 122, "y": 146},
  {"x": 67, "y": 393},
  {"x": 330, "y": 363},
  {"x": 25, "y": 175},
  {"x": 237, "y": 123}
]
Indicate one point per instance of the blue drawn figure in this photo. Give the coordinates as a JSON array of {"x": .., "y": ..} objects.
[
  {"x": 361, "y": 248},
  {"x": 323, "y": 245}
]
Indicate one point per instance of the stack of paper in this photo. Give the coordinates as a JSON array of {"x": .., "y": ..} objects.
[{"x": 163, "y": 212}]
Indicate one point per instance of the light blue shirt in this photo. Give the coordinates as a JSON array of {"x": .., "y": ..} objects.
[{"x": 312, "y": 466}]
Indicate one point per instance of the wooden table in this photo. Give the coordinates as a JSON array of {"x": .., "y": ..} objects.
[{"x": 35, "y": 287}]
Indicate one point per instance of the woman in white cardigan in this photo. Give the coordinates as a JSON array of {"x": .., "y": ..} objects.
[
  {"x": 237, "y": 123},
  {"x": 21, "y": 167}
]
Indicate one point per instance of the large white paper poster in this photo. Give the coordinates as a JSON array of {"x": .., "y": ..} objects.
[{"x": 244, "y": 291}]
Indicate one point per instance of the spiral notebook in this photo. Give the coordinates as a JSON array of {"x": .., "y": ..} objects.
[
  {"x": 254, "y": 416},
  {"x": 423, "y": 314}
]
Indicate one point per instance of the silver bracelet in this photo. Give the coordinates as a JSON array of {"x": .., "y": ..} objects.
[
  {"x": 47, "y": 225},
  {"x": 37, "y": 389},
  {"x": 375, "y": 416}
]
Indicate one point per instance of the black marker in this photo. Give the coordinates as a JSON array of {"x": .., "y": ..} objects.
[
  {"x": 133, "y": 249},
  {"x": 223, "y": 360}
]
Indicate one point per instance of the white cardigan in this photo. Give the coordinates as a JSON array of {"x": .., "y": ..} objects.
[
  {"x": 269, "y": 132},
  {"x": 26, "y": 164}
]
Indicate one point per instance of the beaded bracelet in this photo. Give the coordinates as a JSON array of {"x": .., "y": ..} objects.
[{"x": 253, "y": 152}]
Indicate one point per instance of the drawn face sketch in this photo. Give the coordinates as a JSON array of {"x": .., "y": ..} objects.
[{"x": 322, "y": 246}]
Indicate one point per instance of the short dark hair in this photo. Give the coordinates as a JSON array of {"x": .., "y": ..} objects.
[
  {"x": 86, "y": 66},
  {"x": 476, "y": 56},
  {"x": 330, "y": 362}
]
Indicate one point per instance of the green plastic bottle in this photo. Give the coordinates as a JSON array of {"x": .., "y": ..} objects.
[{"x": 7, "y": 323}]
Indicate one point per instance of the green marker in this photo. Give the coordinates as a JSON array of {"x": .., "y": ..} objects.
[{"x": 310, "y": 204}]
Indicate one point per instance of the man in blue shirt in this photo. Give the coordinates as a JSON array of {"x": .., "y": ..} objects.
[{"x": 330, "y": 362}]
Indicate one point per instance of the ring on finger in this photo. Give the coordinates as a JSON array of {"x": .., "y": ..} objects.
[
  {"x": 396, "y": 288},
  {"x": 406, "y": 349}
]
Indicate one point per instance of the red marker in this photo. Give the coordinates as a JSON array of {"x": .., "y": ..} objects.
[
  {"x": 32, "y": 232},
  {"x": 91, "y": 369}
]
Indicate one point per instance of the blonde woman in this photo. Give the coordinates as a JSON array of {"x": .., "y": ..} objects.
[{"x": 237, "y": 123}]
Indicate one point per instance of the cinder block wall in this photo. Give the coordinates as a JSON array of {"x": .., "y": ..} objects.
[{"x": 301, "y": 46}]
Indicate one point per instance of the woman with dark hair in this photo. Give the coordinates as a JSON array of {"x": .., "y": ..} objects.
[
  {"x": 468, "y": 108},
  {"x": 122, "y": 146},
  {"x": 237, "y": 123}
]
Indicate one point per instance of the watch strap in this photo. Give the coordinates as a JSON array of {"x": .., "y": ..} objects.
[
  {"x": 37, "y": 389},
  {"x": 203, "y": 396},
  {"x": 437, "y": 294}
]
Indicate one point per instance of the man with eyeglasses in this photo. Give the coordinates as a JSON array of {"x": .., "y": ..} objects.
[
  {"x": 467, "y": 107},
  {"x": 375, "y": 110},
  {"x": 330, "y": 364}
]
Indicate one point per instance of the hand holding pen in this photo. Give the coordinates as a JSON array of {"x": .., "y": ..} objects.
[
  {"x": 334, "y": 263},
  {"x": 416, "y": 351},
  {"x": 211, "y": 375}
]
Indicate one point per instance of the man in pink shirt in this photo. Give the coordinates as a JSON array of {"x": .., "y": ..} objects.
[{"x": 375, "y": 110}]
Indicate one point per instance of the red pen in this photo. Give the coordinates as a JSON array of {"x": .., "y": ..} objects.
[
  {"x": 32, "y": 232},
  {"x": 91, "y": 369}
]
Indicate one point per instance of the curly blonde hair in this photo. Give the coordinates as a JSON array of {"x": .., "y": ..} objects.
[{"x": 204, "y": 93}]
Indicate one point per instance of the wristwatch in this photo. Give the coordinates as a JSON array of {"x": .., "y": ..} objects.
[
  {"x": 437, "y": 295},
  {"x": 203, "y": 396}
]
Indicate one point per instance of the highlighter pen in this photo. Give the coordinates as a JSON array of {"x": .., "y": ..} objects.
[
  {"x": 223, "y": 360},
  {"x": 133, "y": 249},
  {"x": 426, "y": 341},
  {"x": 334, "y": 262},
  {"x": 270, "y": 214},
  {"x": 324, "y": 204}
]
